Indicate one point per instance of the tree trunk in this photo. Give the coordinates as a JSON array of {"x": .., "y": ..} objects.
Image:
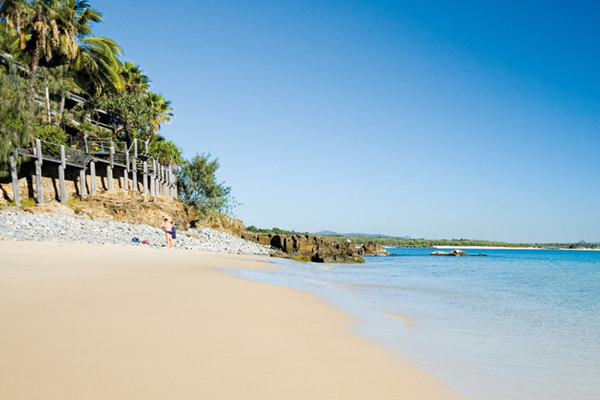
[
  {"x": 128, "y": 137},
  {"x": 63, "y": 95},
  {"x": 150, "y": 134},
  {"x": 61, "y": 110},
  {"x": 35, "y": 61}
]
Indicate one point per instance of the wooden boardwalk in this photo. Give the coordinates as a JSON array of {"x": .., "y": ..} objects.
[{"x": 132, "y": 166}]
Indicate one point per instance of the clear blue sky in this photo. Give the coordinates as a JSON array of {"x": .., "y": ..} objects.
[{"x": 437, "y": 119}]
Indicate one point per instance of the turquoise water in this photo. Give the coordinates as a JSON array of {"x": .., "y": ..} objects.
[{"x": 518, "y": 324}]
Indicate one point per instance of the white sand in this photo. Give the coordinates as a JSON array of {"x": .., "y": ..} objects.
[{"x": 123, "y": 322}]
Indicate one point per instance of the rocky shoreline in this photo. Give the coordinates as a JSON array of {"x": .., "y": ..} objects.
[
  {"x": 47, "y": 224},
  {"x": 314, "y": 248},
  {"x": 22, "y": 225}
]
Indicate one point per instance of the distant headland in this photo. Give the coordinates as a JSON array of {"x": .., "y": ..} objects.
[{"x": 408, "y": 242}]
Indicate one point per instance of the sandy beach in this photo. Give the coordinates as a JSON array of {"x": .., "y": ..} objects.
[{"x": 123, "y": 322}]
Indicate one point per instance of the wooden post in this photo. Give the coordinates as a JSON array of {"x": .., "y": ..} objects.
[
  {"x": 145, "y": 178},
  {"x": 126, "y": 172},
  {"x": 15, "y": 177},
  {"x": 134, "y": 168},
  {"x": 109, "y": 168},
  {"x": 162, "y": 180},
  {"x": 82, "y": 189},
  {"x": 38, "y": 172},
  {"x": 166, "y": 181},
  {"x": 174, "y": 185},
  {"x": 61, "y": 175},
  {"x": 93, "y": 177},
  {"x": 158, "y": 177},
  {"x": 153, "y": 178},
  {"x": 169, "y": 183},
  {"x": 172, "y": 182}
]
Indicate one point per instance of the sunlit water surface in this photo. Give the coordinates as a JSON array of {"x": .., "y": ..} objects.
[{"x": 518, "y": 324}]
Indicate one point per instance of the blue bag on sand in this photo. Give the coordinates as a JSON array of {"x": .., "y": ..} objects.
[
  {"x": 135, "y": 240},
  {"x": 173, "y": 233}
]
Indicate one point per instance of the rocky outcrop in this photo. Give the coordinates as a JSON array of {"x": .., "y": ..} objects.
[
  {"x": 453, "y": 253},
  {"x": 373, "y": 249},
  {"x": 307, "y": 248}
]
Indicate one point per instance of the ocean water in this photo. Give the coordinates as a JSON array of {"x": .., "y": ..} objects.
[{"x": 518, "y": 324}]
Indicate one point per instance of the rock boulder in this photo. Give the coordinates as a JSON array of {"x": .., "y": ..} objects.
[
  {"x": 453, "y": 253},
  {"x": 373, "y": 249}
]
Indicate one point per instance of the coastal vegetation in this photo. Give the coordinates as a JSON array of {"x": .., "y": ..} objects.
[
  {"x": 276, "y": 231},
  {"x": 55, "y": 72},
  {"x": 198, "y": 185},
  {"x": 62, "y": 84}
]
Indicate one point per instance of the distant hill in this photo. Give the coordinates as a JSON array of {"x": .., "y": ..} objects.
[{"x": 327, "y": 233}]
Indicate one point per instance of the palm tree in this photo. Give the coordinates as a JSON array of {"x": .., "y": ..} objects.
[
  {"x": 97, "y": 68},
  {"x": 134, "y": 79},
  {"x": 95, "y": 58},
  {"x": 7, "y": 40},
  {"x": 165, "y": 151},
  {"x": 35, "y": 23},
  {"x": 16, "y": 14},
  {"x": 161, "y": 112},
  {"x": 62, "y": 29}
]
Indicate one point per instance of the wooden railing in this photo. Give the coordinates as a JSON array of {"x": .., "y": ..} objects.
[{"x": 156, "y": 179}]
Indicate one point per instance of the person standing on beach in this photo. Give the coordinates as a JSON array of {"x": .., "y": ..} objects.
[{"x": 168, "y": 228}]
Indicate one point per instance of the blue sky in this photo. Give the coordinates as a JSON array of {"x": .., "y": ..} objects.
[{"x": 437, "y": 119}]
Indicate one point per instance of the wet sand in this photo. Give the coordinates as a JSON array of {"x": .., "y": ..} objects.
[{"x": 123, "y": 322}]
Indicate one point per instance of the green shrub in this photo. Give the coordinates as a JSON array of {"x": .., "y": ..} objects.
[
  {"x": 51, "y": 133},
  {"x": 55, "y": 137}
]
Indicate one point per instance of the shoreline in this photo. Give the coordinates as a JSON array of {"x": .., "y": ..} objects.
[
  {"x": 508, "y": 248},
  {"x": 488, "y": 247},
  {"x": 131, "y": 322}
]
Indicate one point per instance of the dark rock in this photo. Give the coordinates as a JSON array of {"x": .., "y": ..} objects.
[
  {"x": 373, "y": 249},
  {"x": 453, "y": 253},
  {"x": 307, "y": 248}
]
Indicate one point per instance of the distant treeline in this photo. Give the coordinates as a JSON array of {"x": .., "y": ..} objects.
[
  {"x": 429, "y": 243},
  {"x": 276, "y": 231}
]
